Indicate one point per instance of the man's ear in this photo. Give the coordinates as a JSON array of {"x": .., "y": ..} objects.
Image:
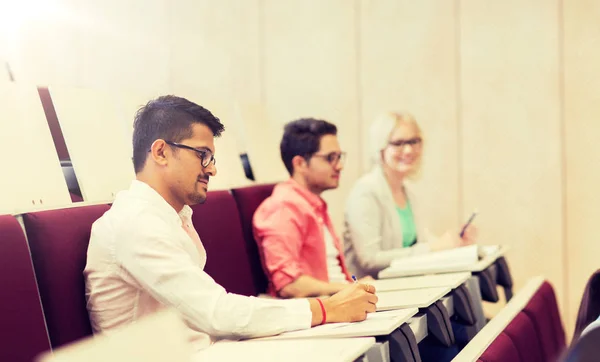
[
  {"x": 299, "y": 163},
  {"x": 159, "y": 152}
]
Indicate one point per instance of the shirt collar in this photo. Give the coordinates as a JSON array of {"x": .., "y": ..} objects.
[
  {"x": 144, "y": 191},
  {"x": 314, "y": 200}
]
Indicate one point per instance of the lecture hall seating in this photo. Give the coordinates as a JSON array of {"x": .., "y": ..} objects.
[
  {"x": 248, "y": 199},
  {"x": 58, "y": 240},
  {"x": 218, "y": 224},
  {"x": 527, "y": 329},
  {"x": 23, "y": 331}
]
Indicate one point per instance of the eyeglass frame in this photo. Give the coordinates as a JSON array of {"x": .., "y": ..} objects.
[
  {"x": 341, "y": 157},
  {"x": 413, "y": 142},
  {"x": 199, "y": 153}
]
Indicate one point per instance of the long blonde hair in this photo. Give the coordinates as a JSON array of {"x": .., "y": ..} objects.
[{"x": 381, "y": 130}]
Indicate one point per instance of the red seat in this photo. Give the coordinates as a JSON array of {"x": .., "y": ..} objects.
[
  {"x": 22, "y": 329},
  {"x": 557, "y": 326},
  {"x": 535, "y": 334},
  {"x": 58, "y": 240},
  {"x": 524, "y": 336},
  {"x": 248, "y": 199},
  {"x": 502, "y": 349},
  {"x": 543, "y": 312},
  {"x": 218, "y": 225}
]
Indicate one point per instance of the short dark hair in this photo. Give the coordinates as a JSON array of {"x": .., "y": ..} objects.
[
  {"x": 302, "y": 137},
  {"x": 169, "y": 118}
]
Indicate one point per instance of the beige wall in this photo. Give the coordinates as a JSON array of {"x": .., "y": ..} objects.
[
  {"x": 305, "y": 76},
  {"x": 511, "y": 122},
  {"x": 581, "y": 97},
  {"x": 408, "y": 60},
  {"x": 506, "y": 93},
  {"x": 482, "y": 77},
  {"x": 215, "y": 61}
]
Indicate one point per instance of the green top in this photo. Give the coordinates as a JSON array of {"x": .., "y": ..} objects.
[{"x": 407, "y": 221}]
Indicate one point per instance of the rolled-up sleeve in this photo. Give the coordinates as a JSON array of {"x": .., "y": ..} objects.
[
  {"x": 278, "y": 234},
  {"x": 165, "y": 269}
]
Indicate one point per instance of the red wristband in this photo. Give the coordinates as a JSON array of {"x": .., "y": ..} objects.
[{"x": 322, "y": 311}]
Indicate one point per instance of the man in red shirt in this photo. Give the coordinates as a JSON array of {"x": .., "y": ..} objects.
[{"x": 300, "y": 250}]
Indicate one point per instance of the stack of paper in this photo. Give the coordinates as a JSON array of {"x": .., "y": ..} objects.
[
  {"x": 452, "y": 258},
  {"x": 485, "y": 250},
  {"x": 376, "y": 324}
]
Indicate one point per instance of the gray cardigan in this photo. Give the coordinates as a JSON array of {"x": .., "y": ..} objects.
[{"x": 373, "y": 233}]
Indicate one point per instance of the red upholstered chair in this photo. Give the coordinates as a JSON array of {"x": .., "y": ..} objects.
[
  {"x": 543, "y": 312},
  {"x": 557, "y": 325},
  {"x": 58, "y": 240},
  {"x": 248, "y": 199},
  {"x": 218, "y": 224},
  {"x": 502, "y": 349},
  {"x": 524, "y": 336},
  {"x": 22, "y": 329}
]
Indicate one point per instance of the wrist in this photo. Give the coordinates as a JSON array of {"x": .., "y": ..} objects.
[
  {"x": 323, "y": 311},
  {"x": 329, "y": 311},
  {"x": 320, "y": 315}
]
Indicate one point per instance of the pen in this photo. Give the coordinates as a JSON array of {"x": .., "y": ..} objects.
[{"x": 468, "y": 223}]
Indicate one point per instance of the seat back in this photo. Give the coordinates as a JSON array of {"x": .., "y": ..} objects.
[
  {"x": 58, "y": 240},
  {"x": 502, "y": 349},
  {"x": 529, "y": 324},
  {"x": 218, "y": 225},
  {"x": 542, "y": 312},
  {"x": 248, "y": 199},
  {"x": 23, "y": 333},
  {"x": 557, "y": 325},
  {"x": 524, "y": 336}
]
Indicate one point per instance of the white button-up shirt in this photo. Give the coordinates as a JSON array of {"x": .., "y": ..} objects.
[{"x": 140, "y": 260}]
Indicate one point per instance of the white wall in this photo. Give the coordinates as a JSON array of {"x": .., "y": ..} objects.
[{"x": 97, "y": 44}]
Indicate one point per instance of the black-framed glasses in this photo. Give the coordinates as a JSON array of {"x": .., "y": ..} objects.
[
  {"x": 333, "y": 158},
  {"x": 205, "y": 156},
  {"x": 414, "y": 142}
]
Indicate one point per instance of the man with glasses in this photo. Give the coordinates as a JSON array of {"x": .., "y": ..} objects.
[
  {"x": 144, "y": 253},
  {"x": 301, "y": 252}
]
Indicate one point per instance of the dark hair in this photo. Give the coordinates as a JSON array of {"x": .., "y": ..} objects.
[
  {"x": 589, "y": 309},
  {"x": 302, "y": 137},
  {"x": 169, "y": 118}
]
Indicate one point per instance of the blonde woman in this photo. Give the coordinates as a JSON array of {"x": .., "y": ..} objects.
[{"x": 383, "y": 222}]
